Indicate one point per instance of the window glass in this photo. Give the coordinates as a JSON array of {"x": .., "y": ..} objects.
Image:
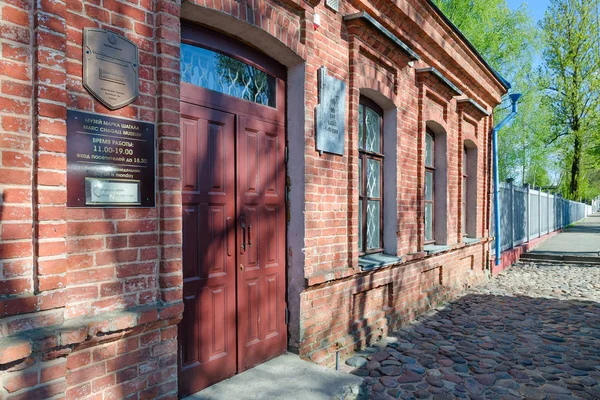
[
  {"x": 360, "y": 225},
  {"x": 373, "y": 222},
  {"x": 360, "y": 174},
  {"x": 373, "y": 178},
  {"x": 361, "y": 126},
  {"x": 428, "y": 221},
  {"x": 373, "y": 124},
  {"x": 223, "y": 74},
  {"x": 429, "y": 150},
  {"x": 464, "y": 205},
  {"x": 428, "y": 185}
]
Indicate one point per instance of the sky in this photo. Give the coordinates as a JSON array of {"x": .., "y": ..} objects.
[{"x": 536, "y": 7}]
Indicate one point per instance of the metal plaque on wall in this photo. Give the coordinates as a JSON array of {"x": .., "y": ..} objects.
[
  {"x": 331, "y": 113},
  {"x": 110, "y": 67},
  {"x": 111, "y": 162}
]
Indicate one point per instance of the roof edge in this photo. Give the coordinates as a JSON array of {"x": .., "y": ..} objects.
[
  {"x": 474, "y": 104},
  {"x": 372, "y": 21},
  {"x": 442, "y": 78}
]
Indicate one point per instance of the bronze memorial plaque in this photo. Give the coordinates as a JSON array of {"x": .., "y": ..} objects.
[
  {"x": 110, "y": 161},
  {"x": 331, "y": 113},
  {"x": 110, "y": 67}
]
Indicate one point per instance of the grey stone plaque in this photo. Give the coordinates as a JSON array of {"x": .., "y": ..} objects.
[
  {"x": 331, "y": 113},
  {"x": 110, "y": 67}
]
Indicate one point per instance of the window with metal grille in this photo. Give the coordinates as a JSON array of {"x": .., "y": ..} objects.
[
  {"x": 465, "y": 192},
  {"x": 429, "y": 186},
  {"x": 370, "y": 172},
  {"x": 216, "y": 71}
]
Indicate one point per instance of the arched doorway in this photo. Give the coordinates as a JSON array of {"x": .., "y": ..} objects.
[{"x": 233, "y": 197}]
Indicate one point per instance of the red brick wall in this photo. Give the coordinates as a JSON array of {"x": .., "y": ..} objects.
[
  {"x": 79, "y": 281},
  {"x": 62, "y": 265},
  {"x": 351, "y": 313},
  {"x": 142, "y": 361}
]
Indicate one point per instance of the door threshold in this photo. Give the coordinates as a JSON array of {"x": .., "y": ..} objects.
[{"x": 285, "y": 377}]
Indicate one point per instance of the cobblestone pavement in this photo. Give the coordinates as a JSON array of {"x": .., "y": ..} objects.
[{"x": 532, "y": 332}]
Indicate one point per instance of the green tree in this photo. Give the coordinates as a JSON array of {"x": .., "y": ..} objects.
[
  {"x": 509, "y": 41},
  {"x": 571, "y": 55}
]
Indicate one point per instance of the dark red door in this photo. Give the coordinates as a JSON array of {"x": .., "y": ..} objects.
[
  {"x": 233, "y": 222},
  {"x": 262, "y": 332},
  {"x": 207, "y": 333}
]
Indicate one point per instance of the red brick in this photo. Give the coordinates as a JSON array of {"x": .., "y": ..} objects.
[
  {"x": 15, "y": 249},
  {"x": 53, "y": 372},
  {"x": 16, "y": 231},
  {"x": 42, "y": 392}
]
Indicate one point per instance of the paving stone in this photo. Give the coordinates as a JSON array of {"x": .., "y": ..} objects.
[
  {"x": 371, "y": 365},
  {"x": 533, "y": 393},
  {"x": 473, "y": 386},
  {"x": 415, "y": 368},
  {"x": 388, "y": 381},
  {"x": 508, "y": 383},
  {"x": 360, "y": 372},
  {"x": 421, "y": 394},
  {"x": 378, "y": 387},
  {"x": 486, "y": 379},
  {"x": 435, "y": 381},
  {"x": 410, "y": 377},
  {"x": 356, "y": 362},
  {"x": 553, "y": 338},
  {"x": 390, "y": 370},
  {"x": 461, "y": 368},
  {"x": 555, "y": 389},
  {"x": 380, "y": 356}
]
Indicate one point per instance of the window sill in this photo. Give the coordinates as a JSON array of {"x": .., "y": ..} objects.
[
  {"x": 435, "y": 248},
  {"x": 373, "y": 261},
  {"x": 468, "y": 240}
]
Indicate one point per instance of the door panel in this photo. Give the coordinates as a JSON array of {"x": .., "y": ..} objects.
[
  {"x": 261, "y": 275},
  {"x": 207, "y": 333}
]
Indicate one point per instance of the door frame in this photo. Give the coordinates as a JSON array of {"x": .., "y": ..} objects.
[{"x": 213, "y": 40}]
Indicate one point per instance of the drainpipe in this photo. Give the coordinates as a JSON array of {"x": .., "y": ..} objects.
[{"x": 514, "y": 98}]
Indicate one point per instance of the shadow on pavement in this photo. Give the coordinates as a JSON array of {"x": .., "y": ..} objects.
[{"x": 492, "y": 347}]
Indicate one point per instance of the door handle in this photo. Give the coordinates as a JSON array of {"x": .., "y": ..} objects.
[
  {"x": 243, "y": 225},
  {"x": 249, "y": 235}
]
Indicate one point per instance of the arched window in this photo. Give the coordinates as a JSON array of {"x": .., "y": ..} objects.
[
  {"x": 429, "y": 186},
  {"x": 370, "y": 170}
]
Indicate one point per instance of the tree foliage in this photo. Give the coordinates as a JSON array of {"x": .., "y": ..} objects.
[
  {"x": 510, "y": 41},
  {"x": 572, "y": 77},
  {"x": 507, "y": 40}
]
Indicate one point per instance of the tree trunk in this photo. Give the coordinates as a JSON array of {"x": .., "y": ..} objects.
[{"x": 575, "y": 166}]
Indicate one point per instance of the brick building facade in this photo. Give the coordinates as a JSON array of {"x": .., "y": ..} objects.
[{"x": 91, "y": 298}]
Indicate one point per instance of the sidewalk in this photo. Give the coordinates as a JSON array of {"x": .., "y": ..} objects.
[
  {"x": 578, "y": 243},
  {"x": 286, "y": 377}
]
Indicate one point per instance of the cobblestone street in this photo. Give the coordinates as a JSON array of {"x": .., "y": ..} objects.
[{"x": 532, "y": 332}]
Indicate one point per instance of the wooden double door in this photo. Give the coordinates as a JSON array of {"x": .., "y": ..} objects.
[{"x": 233, "y": 197}]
